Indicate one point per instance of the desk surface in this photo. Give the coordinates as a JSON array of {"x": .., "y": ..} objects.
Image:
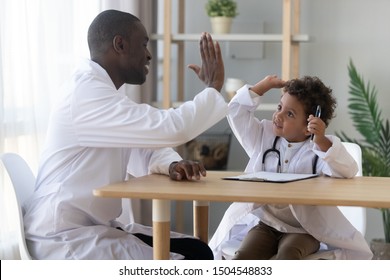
[{"x": 360, "y": 191}]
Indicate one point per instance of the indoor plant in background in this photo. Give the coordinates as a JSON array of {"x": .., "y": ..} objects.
[
  {"x": 375, "y": 144},
  {"x": 221, "y": 13}
]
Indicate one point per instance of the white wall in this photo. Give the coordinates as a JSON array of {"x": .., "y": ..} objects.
[{"x": 339, "y": 29}]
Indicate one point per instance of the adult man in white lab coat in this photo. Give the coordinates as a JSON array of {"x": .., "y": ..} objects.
[{"x": 97, "y": 135}]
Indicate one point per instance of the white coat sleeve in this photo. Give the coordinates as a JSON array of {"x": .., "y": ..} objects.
[
  {"x": 105, "y": 118},
  {"x": 147, "y": 161},
  {"x": 242, "y": 119},
  {"x": 337, "y": 161}
]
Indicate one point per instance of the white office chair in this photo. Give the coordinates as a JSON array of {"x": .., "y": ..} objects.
[
  {"x": 356, "y": 215},
  {"x": 23, "y": 181}
]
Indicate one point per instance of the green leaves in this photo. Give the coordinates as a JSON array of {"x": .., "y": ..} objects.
[
  {"x": 219, "y": 8},
  {"x": 375, "y": 131},
  {"x": 363, "y": 106},
  {"x": 367, "y": 119}
]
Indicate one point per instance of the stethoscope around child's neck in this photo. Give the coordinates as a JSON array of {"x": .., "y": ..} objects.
[{"x": 277, "y": 152}]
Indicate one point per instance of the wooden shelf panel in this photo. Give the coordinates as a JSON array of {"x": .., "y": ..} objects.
[{"x": 180, "y": 37}]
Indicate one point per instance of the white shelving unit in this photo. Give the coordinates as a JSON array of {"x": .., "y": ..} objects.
[{"x": 290, "y": 38}]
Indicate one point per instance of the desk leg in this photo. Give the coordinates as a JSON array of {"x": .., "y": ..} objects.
[
  {"x": 201, "y": 220},
  {"x": 161, "y": 229}
]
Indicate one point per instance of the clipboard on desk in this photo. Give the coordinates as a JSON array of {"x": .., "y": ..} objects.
[{"x": 271, "y": 177}]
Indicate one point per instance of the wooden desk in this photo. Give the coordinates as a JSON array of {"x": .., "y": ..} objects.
[{"x": 360, "y": 191}]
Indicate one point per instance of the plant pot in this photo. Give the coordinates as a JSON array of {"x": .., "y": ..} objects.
[
  {"x": 380, "y": 249},
  {"x": 221, "y": 25}
]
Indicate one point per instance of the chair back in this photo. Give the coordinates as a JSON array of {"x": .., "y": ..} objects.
[
  {"x": 23, "y": 181},
  {"x": 356, "y": 152},
  {"x": 355, "y": 214}
]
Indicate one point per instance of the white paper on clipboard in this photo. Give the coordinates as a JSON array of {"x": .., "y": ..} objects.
[{"x": 264, "y": 176}]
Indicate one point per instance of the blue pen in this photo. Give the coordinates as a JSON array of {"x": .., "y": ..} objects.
[{"x": 317, "y": 115}]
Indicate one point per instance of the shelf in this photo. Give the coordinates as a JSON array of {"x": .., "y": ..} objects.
[
  {"x": 289, "y": 38},
  {"x": 181, "y": 37}
]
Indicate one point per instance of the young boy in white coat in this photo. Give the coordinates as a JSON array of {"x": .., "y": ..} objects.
[
  {"x": 290, "y": 231},
  {"x": 97, "y": 136}
]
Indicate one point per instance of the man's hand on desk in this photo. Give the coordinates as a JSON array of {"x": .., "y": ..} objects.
[{"x": 186, "y": 170}]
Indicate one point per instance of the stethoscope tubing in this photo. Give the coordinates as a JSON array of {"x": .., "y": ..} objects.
[
  {"x": 277, "y": 152},
  {"x": 272, "y": 150}
]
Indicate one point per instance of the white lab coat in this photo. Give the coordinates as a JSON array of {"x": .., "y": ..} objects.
[
  {"x": 94, "y": 134},
  {"x": 326, "y": 223}
]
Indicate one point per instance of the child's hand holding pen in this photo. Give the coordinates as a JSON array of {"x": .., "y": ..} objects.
[
  {"x": 317, "y": 115},
  {"x": 315, "y": 125}
]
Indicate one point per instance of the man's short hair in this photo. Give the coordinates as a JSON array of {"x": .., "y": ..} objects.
[{"x": 106, "y": 26}]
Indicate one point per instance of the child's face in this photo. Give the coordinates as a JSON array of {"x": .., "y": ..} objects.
[{"x": 290, "y": 120}]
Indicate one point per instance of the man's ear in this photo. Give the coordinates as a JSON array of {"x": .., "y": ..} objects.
[{"x": 118, "y": 43}]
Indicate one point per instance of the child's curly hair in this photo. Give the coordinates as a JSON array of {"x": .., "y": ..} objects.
[{"x": 310, "y": 91}]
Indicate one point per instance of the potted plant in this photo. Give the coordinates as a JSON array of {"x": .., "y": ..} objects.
[
  {"x": 221, "y": 13},
  {"x": 375, "y": 131}
]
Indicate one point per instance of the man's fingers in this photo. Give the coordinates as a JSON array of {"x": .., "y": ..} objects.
[
  {"x": 189, "y": 170},
  {"x": 206, "y": 45},
  {"x": 196, "y": 171},
  {"x": 194, "y": 68},
  {"x": 210, "y": 46},
  {"x": 203, "y": 47},
  {"x": 218, "y": 53}
]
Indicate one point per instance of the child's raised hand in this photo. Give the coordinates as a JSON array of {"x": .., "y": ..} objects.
[
  {"x": 317, "y": 127},
  {"x": 269, "y": 82},
  {"x": 274, "y": 82}
]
